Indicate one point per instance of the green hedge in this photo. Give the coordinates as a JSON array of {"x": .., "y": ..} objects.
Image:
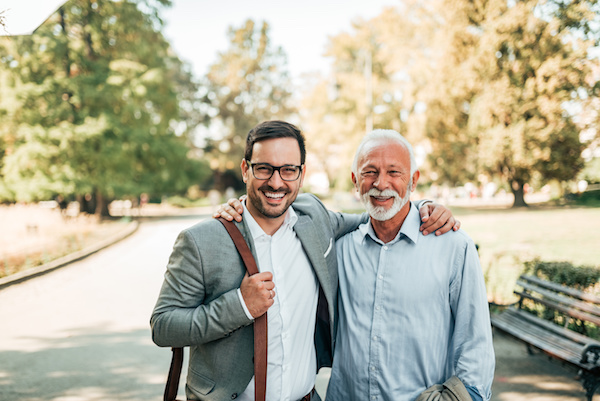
[{"x": 566, "y": 273}]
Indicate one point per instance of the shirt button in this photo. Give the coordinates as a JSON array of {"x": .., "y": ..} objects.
[
  {"x": 381, "y": 277},
  {"x": 372, "y": 368},
  {"x": 233, "y": 396},
  {"x": 385, "y": 248},
  {"x": 373, "y": 397},
  {"x": 374, "y": 338},
  {"x": 377, "y": 307}
]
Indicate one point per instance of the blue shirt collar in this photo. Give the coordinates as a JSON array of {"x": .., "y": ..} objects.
[{"x": 409, "y": 229}]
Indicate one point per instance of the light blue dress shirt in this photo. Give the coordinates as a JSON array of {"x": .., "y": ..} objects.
[{"x": 412, "y": 313}]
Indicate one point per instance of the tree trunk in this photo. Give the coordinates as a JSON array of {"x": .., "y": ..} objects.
[
  {"x": 101, "y": 206},
  {"x": 519, "y": 194}
]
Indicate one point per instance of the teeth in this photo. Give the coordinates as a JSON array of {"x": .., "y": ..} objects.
[{"x": 274, "y": 195}]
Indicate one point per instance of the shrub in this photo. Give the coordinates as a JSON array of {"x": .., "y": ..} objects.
[{"x": 584, "y": 278}]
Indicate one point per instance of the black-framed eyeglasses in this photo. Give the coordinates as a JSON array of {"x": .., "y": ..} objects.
[{"x": 264, "y": 171}]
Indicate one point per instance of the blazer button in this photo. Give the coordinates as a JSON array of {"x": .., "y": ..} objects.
[{"x": 233, "y": 396}]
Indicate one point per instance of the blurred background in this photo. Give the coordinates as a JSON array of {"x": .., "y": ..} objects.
[
  {"x": 117, "y": 109},
  {"x": 119, "y": 114}
]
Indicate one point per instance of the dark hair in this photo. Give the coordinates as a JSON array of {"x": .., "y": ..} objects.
[{"x": 274, "y": 129}]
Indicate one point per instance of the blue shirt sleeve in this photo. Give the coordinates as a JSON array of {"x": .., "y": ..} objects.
[{"x": 474, "y": 393}]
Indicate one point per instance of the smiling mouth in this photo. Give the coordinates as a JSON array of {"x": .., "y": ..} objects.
[
  {"x": 274, "y": 195},
  {"x": 382, "y": 198}
]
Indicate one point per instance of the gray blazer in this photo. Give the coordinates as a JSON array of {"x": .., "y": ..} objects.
[{"x": 198, "y": 305}]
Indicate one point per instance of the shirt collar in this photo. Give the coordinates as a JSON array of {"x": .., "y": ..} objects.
[
  {"x": 291, "y": 217},
  {"x": 409, "y": 229}
]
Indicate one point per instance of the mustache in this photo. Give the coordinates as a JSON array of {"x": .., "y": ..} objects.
[
  {"x": 388, "y": 193},
  {"x": 268, "y": 188}
]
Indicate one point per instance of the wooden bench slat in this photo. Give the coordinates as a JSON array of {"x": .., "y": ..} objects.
[
  {"x": 559, "y": 330},
  {"x": 573, "y": 313},
  {"x": 565, "y": 355},
  {"x": 551, "y": 344},
  {"x": 584, "y": 296},
  {"x": 581, "y": 305}
]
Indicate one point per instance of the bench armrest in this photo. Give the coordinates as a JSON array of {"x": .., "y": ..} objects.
[{"x": 591, "y": 354}]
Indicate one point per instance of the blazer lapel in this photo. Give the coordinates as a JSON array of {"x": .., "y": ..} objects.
[{"x": 313, "y": 246}]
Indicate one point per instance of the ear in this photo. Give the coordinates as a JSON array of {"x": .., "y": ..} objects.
[
  {"x": 415, "y": 178},
  {"x": 355, "y": 181},
  {"x": 244, "y": 166},
  {"x": 302, "y": 174}
]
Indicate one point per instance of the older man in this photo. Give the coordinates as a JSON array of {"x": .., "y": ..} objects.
[{"x": 413, "y": 310}]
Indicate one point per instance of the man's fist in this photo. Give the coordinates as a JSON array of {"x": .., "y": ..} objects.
[{"x": 258, "y": 292}]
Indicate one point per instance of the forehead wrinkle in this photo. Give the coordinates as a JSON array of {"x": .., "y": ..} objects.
[{"x": 367, "y": 162}]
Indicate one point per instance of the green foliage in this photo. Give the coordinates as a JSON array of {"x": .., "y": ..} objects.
[
  {"x": 527, "y": 71},
  {"x": 588, "y": 198},
  {"x": 247, "y": 84},
  {"x": 491, "y": 90},
  {"x": 98, "y": 104},
  {"x": 564, "y": 273},
  {"x": 183, "y": 202}
]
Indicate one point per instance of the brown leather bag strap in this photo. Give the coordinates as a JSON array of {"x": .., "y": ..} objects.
[
  {"x": 241, "y": 245},
  {"x": 260, "y": 323},
  {"x": 260, "y": 330},
  {"x": 174, "y": 375}
]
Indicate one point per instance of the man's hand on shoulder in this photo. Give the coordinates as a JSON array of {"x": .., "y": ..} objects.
[
  {"x": 437, "y": 218},
  {"x": 231, "y": 210}
]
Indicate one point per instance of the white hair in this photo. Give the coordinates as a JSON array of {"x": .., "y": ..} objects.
[{"x": 384, "y": 135}]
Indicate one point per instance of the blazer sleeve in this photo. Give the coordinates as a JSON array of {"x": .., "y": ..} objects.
[{"x": 185, "y": 314}]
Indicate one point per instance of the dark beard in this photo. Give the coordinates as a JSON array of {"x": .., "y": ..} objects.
[{"x": 258, "y": 205}]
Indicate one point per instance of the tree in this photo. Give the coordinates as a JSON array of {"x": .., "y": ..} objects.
[
  {"x": 99, "y": 107},
  {"x": 247, "y": 84},
  {"x": 377, "y": 70},
  {"x": 503, "y": 105},
  {"x": 358, "y": 96}
]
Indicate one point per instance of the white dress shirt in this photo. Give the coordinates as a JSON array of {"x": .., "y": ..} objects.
[{"x": 291, "y": 356}]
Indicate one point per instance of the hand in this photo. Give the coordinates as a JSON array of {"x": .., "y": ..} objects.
[
  {"x": 257, "y": 291},
  {"x": 437, "y": 217},
  {"x": 231, "y": 210}
]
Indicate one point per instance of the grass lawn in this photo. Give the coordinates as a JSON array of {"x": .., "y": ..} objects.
[{"x": 508, "y": 237}]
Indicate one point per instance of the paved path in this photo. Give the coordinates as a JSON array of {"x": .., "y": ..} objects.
[{"x": 81, "y": 333}]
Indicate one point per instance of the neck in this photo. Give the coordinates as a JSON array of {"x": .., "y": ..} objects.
[
  {"x": 269, "y": 225},
  {"x": 387, "y": 230}
]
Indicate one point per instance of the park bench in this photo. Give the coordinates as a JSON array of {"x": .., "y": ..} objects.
[{"x": 555, "y": 340}]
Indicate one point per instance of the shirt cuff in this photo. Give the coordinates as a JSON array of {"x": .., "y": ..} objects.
[
  {"x": 239, "y": 292},
  {"x": 474, "y": 393}
]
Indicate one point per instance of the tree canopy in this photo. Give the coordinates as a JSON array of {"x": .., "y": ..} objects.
[
  {"x": 94, "y": 104},
  {"x": 490, "y": 90},
  {"x": 247, "y": 84}
]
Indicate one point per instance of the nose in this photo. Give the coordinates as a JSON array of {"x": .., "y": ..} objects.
[
  {"x": 381, "y": 182},
  {"x": 275, "y": 181}
]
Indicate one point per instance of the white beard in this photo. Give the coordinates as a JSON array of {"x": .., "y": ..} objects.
[{"x": 379, "y": 212}]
